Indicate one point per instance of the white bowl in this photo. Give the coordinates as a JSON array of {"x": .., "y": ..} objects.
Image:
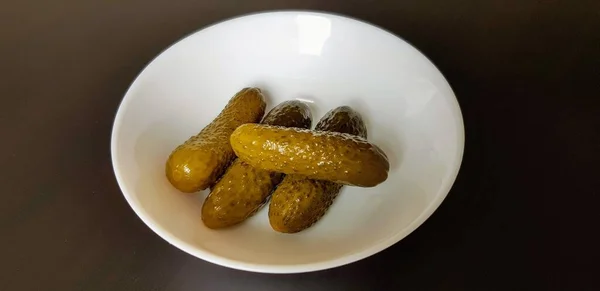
[{"x": 327, "y": 61}]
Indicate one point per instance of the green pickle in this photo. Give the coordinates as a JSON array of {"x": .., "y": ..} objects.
[
  {"x": 300, "y": 202},
  {"x": 321, "y": 155},
  {"x": 198, "y": 163},
  {"x": 243, "y": 189}
]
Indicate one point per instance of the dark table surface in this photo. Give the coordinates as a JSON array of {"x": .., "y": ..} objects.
[{"x": 522, "y": 214}]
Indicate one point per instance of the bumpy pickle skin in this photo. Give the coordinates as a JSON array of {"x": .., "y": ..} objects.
[
  {"x": 243, "y": 189},
  {"x": 321, "y": 155},
  {"x": 198, "y": 162},
  {"x": 299, "y": 202}
]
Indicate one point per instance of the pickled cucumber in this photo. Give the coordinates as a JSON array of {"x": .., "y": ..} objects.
[
  {"x": 243, "y": 190},
  {"x": 320, "y": 155},
  {"x": 197, "y": 163},
  {"x": 299, "y": 202}
]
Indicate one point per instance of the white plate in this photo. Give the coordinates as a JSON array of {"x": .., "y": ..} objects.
[{"x": 327, "y": 61}]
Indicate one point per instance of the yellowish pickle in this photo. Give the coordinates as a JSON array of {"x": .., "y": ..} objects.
[
  {"x": 243, "y": 189},
  {"x": 321, "y": 155},
  {"x": 198, "y": 162},
  {"x": 299, "y": 202}
]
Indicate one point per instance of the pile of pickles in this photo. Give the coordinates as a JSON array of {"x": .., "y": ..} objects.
[{"x": 246, "y": 159}]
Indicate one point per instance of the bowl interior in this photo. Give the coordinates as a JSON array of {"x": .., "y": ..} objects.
[{"x": 326, "y": 61}]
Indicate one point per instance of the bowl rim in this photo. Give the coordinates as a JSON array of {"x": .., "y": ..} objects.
[{"x": 282, "y": 268}]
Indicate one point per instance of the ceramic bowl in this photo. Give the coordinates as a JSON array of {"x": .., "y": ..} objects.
[{"x": 321, "y": 59}]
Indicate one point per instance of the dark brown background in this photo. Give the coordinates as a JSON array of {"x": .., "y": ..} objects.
[{"x": 522, "y": 214}]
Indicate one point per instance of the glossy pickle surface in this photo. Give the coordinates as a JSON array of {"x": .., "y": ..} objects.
[
  {"x": 198, "y": 162},
  {"x": 243, "y": 189},
  {"x": 321, "y": 155},
  {"x": 299, "y": 202}
]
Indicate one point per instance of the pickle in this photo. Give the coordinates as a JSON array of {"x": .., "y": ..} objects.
[
  {"x": 299, "y": 202},
  {"x": 321, "y": 155},
  {"x": 198, "y": 163},
  {"x": 243, "y": 190}
]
